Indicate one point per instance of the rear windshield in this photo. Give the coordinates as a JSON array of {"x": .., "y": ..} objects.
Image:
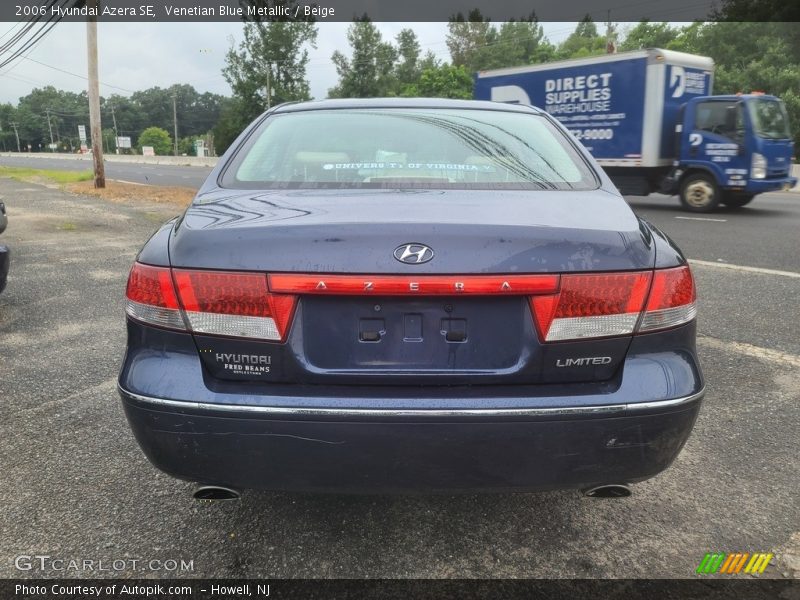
[{"x": 410, "y": 147}]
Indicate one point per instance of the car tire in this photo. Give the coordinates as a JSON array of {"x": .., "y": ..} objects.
[
  {"x": 737, "y": 200},
  {"x": 699, "y": 193}
]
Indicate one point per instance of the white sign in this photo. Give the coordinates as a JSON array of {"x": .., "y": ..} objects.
[
  {"x": 82, "y": 132},
  {"x": 148, "y": 151},
  {"x": 123, "y": 142}
]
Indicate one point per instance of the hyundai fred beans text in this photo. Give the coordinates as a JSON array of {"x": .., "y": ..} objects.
[{"x": 410, "y": 295}]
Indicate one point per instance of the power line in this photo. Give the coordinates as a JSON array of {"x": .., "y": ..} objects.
[
  {"x": 116, "y": 87},
  {"x": 37, "y": 36}
]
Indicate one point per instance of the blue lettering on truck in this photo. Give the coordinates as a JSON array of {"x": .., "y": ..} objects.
[{"x": 602, "y": 104}]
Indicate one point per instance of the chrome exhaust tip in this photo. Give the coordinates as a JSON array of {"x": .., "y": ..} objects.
[
  {"x": 609, "y": 490},
  {"x": 216, "y": 493}
]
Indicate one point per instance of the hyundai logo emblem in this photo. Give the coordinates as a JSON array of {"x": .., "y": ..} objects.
[{"x": 413, "y": 254}]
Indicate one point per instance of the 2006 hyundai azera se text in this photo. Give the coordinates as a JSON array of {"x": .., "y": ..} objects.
[{"x": 397, "y": 295}]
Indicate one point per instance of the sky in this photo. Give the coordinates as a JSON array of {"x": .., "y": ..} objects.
[{"x": 136, "y": 56}]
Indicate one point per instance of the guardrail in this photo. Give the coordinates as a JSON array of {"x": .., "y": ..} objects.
[{"x": 178, "y": 161}]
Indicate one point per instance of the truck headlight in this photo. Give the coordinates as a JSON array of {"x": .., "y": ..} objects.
[{"x": 758, "y": 169}]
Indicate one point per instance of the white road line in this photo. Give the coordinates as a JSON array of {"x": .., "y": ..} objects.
[
  {"x": 703, "y": 219},
  {"x": 750, "y": 350},
  {"x": 719, "y": 265},
  {"x": 128, "y": 182}
]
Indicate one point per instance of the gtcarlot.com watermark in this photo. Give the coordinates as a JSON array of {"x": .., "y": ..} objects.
[{"x": 52, "y": 564}]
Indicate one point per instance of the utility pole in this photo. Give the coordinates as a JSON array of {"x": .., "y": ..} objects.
[
  {"x": 611, "y": 43},
  {"x": 94, "y": 98},
  {"x": 116, "y": 133},
  {"x": 175, "y": 120},
  {"x": 50, "y": 127},
  {"x": 114, "y": 119},
  {"x": 16, "y": 133}
]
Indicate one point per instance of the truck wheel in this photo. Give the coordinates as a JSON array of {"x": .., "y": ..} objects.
[
  {"x": 699, "y": 193},
  {"x": 737, "y": 200}
]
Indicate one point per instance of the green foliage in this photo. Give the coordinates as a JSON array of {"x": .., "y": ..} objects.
[
  {"x": 232, "y": 121},
  {"x": 584, "y": 41},
  {"x": 27, "y": 174},
  {"x": 370, "y": 71},
  {"x": 648, "y": 35},
  {"x": 273, "y": 56},
  {"x": 157, "y": 138},
  {"x": 470, "y": 41},
  {"x": 381, "y": 68},
  {"x": 477, "y": 44},
  {"x": 444, "y": 81},
  {"x": 197, "y": 113}
]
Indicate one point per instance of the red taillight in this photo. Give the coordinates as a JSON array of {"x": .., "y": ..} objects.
[
  {"x": 212, "y": 302},
  {"x": 672, "y": 300},
  {"x": 592, "y": 305},
  {"x": 611, "y": 304},
  {"x": 150, "y": 297},
  {"x": 671, "y": 288},
  {"x": 233, "y": 304},
  {"x": 565, "y": 307},
  {"x": 405, "y": 285}
]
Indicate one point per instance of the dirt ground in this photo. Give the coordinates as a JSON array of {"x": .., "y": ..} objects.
[{"x": 116, "y": 191}]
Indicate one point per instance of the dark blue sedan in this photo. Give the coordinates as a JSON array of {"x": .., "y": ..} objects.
[{"x": 410, "y": 295}]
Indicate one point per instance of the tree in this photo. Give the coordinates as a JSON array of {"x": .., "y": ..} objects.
[
  {"x": 584, "y": 41},
  {"x": 445, "y": 81},
  {"x": 369, "y": 72},
  {"x": 407, "y": 70},
  {"x": 469, "y": 41},
  {"x": 521, "y": 43},
  {"x": 477, "y": 44},
  {"x": 648, "y": 35},
  {"x": 157, "y": 138},
  {"x": 269, "y": 66},
  {"x": 197, "y": 113},
  {"x": 783, "y": 18},
  {"x": 232, "y": 122},
  {"x": 7, "y": 139}
]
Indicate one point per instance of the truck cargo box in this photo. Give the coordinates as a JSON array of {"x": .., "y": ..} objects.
[{"x": 622, "y": 107}]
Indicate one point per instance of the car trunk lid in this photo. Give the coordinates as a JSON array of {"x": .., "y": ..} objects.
[{"x": 411, "y": 337}]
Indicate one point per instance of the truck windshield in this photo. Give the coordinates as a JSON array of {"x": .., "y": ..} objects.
[
  {"x": 409, "y": 147},
  {"x": 769, "y": 118}
]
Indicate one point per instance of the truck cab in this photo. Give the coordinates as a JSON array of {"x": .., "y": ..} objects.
[{"x": 730, "y": 148}]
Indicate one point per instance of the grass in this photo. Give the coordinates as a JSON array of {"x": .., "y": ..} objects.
[{"x": 62, "y": 177}]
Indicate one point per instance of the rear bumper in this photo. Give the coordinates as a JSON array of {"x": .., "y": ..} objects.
[
  {"x": 5, "y": 260},
  {"x": 372, "y": 450}
]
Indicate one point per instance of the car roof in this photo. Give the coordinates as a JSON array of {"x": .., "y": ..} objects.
[{"x": 404, "y": 103}]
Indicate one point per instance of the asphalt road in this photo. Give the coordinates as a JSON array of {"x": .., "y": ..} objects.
[
  {"x": 76, "y": 486},
  {"x": 132, "y": 172}
]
